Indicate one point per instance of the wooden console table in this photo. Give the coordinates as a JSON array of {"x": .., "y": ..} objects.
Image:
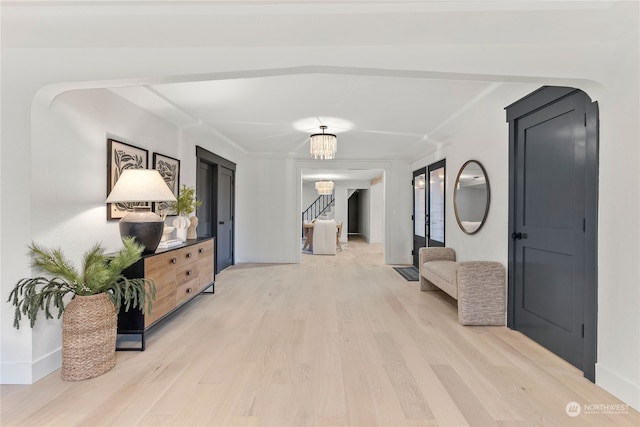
[{"x": 180, "y": 274}]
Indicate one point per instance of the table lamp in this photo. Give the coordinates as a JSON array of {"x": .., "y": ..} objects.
[{"x": 139, "y": 186}]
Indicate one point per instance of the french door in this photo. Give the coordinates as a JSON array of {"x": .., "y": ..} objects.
[
  {"x": 420, "y": 217},
  {"x": 428, "y": 207},
  {"x": 436, "y": 203}
]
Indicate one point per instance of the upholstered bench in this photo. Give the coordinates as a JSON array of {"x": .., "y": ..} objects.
[{"x": 478, "y": 286}]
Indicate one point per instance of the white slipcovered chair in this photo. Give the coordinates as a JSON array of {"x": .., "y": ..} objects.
[{"x": 324, "y": 237}]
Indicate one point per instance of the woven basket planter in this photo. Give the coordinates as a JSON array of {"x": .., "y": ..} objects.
[{"x": 89, "y": 328}]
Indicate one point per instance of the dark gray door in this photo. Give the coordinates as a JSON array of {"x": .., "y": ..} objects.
[
  {"x": 206, "y": 196},
  {"x": 420, "y": 216},
  {"x": 225, "y": 218},
  {"x": 216, "y": 189},
  {"x": 353, "y": 213},
  {"x": 436, "y": 203},
  {"x": 549, "y": 226}
]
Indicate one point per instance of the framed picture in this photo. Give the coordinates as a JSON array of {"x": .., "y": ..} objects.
[
  {"x": 169, "y": 169},
  {"x": 120, "y": 157}
]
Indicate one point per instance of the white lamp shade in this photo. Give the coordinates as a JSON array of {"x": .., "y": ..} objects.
[{"x": 140, "y": 185}]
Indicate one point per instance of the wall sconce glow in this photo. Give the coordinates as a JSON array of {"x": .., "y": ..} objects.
[{"x": 325, "y": 187}]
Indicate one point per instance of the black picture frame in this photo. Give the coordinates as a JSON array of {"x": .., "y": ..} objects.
[
  {"x": 169, "y": 169},
  {"x": 120, "y": 157}
]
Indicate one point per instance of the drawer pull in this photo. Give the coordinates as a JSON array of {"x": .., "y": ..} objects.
[
  {"x": 189, "y": 255},
  {"x": 189, "y": 273},
  {"x": 189, "y": 290},
  {"x": 201, "y": 250},
  {"x": 173, "y": 260}
]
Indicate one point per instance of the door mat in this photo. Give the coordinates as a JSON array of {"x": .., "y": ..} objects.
[{"x": 409, "y": 273}]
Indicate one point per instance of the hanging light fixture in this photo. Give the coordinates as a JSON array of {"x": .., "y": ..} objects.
[
  {"x": 323, "y": 145},
  {"x": 324, "y": 187}
]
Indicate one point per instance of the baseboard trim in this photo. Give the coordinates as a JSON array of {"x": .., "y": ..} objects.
[
  {"x": 29, "y": 373},
  {"x": 619, "y": 386}
]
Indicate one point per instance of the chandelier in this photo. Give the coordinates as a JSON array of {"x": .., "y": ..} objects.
[
  {"x": 323, "y": 145},
  {"x": 324, "y": 187}
]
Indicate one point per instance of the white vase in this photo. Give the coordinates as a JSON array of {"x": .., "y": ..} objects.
[
  {"x": 167, "y": 233},
  {"x": 181, "y": 223}
]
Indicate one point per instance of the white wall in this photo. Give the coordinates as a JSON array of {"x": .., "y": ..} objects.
[
  {"x": 364, "y": 213},
  {"x": 268, "y": 211},
  {"x": 618, "y": 367},
  {"x": 376, "y": 211},
  {"x": 371, "y": 205}
]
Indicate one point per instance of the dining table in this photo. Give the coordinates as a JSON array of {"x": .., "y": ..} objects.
[{"x": 308, "y": 235}]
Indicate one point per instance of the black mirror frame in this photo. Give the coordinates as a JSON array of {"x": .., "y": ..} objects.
[{"x": 455, "y": 197}]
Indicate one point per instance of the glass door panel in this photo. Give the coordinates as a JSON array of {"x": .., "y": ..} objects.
[
  {"x": 436, "y": 203},
  {"x": 420, "y": 222}
]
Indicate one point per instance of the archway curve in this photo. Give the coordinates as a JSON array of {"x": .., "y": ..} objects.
[{"x": 50, "y": 91}]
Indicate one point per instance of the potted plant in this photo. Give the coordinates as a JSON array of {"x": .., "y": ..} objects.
[
  {"x": 98, "y": 290},
  {"x": 186, "y": 203}
]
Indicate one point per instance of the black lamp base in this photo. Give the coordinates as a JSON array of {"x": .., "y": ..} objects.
[{"x": 143, "y": 225}]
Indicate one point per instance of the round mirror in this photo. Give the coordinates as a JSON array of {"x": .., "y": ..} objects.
[{"x": 471, "y": 197}]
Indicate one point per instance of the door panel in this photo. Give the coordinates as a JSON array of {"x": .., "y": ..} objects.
[
  {"x": 545, "y": 273},
  {"x": 436, "y": 204},
  {"x": 549, "y": 200},
  {"x": 216, "y": 189},
  {"x": 420, "y": 218},
  {"x": 549, "y": 236},
  {"x": 224, "y": 240},
  {"x": 205, "y": 194}
]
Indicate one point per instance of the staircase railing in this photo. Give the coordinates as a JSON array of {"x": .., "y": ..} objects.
[{"x": 317, "y": 208}]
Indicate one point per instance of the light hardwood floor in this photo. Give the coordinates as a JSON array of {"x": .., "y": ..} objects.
[{"x": 334, "y": 341}]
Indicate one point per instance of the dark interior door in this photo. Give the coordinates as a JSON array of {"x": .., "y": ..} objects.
[
  {"x": 420, "y": 217},
  {"x": 549, "y": 226},
  {"x": 224, "y": 247},
  {"x": 216, "y": 189},
  {"x": 353, "y": 213},
  {"x": 436, "y": 205},
  {"x": 206, "y": 195}
]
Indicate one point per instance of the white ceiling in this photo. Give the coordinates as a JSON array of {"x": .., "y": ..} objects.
[
  {"x": 374, "y": 117},
  {"x": 380, "y": 111}
]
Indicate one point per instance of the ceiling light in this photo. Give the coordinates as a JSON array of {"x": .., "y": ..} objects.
[
  {"x": 324, "y": 187},
  {"x": 323, "y": 145}
]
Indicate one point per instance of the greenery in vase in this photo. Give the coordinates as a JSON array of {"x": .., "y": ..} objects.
[
  {"x": 186, "y": 201},
  {"x": 100, "y": 273}
]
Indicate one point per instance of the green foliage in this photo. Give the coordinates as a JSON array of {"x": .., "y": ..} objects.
[
  {"x": 186, "y": 201},
  {"x": 100, "y": 273}
]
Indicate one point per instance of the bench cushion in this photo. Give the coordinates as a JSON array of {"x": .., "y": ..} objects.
[{"x": 443, "y": 275}]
